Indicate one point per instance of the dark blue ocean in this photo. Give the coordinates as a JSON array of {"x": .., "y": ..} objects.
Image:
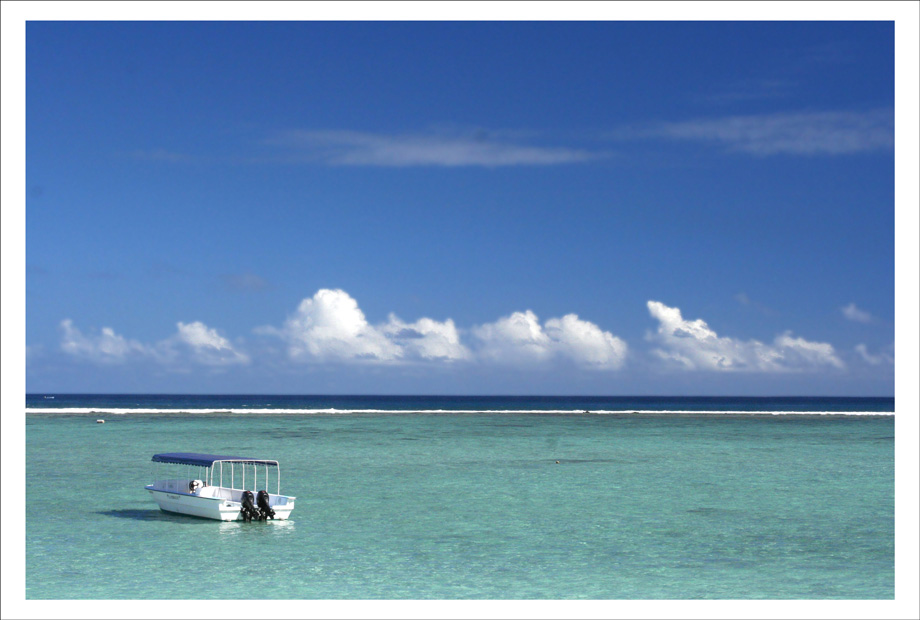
[
  {"x": 448, "y": 498},
  {"x": 561, "y": 404}
]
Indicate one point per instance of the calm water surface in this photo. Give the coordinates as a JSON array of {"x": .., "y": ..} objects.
[{"x": 473, "y": 506}]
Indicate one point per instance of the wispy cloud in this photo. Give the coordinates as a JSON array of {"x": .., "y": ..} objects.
[
  {"x": 354, "y": 148},
  {"x": 745, "y": 300},
  {"x": 693, "y": 345},
  {"x": 747, "y": 90},
  {"x": 794, "y": 133},
  {"x": 245, "y": 282},
  {"x": 163, "y": 155},
  {"x": 852, "y": 313},
  {"x": 883, "y": 357}
]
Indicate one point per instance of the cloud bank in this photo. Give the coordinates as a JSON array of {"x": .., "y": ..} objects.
[
  {"x": 692, "y": 345},
  {"x": 331, "y": 328}
]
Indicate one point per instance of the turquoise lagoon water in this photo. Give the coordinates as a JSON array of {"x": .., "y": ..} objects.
[{"x": 471, "y": 499}]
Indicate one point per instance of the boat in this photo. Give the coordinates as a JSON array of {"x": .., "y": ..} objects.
[{"x": 219, "y": 487}]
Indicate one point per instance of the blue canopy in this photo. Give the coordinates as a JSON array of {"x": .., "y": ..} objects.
[{"x": 204, "y": 460}]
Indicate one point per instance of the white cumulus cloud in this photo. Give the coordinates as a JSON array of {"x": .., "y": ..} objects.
[
  {"x": 331, "y": 326},
  {"x": 427, "y": 339},
  {"x": 585, "y": 342},
  {"x": 694, "y": 345},
  {"x": 519, "y": 338},
  {"x": 515, "y": 338}
]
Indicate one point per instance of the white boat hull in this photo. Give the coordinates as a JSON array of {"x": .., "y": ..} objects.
[{"x": 217, "y": 503}]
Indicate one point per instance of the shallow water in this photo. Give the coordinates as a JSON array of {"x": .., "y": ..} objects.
[{"x": 473, "y": 506}]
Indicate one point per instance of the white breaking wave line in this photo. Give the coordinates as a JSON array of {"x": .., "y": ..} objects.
[{"x": 332, "y": 411}]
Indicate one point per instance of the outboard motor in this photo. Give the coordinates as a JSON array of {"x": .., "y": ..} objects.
[
  {"x": 264, "y": 508},
  {"x": 248, "y": 510}
]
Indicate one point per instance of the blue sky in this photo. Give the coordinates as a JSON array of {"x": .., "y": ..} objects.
[{"x": 460, "y": 207}]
